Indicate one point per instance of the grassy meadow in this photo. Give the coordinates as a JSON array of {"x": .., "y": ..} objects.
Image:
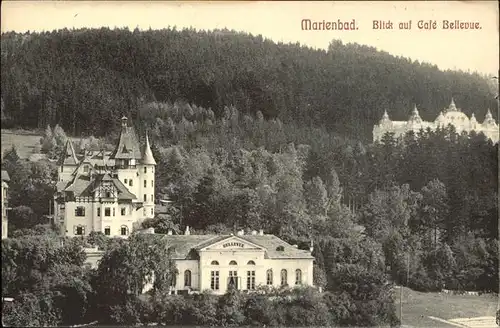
[
  {"x": 26, "y": 142},
  {"x": 417, "y": 307}
]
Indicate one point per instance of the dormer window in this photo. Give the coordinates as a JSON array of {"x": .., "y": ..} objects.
[
  {"x": 85, "y": 169},
  {"x": 280, "y": 248}
]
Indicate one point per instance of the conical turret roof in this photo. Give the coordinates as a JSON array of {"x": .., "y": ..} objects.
[
  {"x": 415, "y": 111},
  {"x": 148, "y": 158},
  {"x": 452, "y": 106},
  {"x": 385, "y": 116},
  {"x": 415, "y": 116}
]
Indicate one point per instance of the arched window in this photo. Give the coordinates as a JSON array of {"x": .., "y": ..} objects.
[
  {"x": 187, "y": 278},
  {"x": 233, "y": 263},
  {"x": 284, "y": 277},
  {"x": 251, "y": 263},
  {"x": 298, "y": 277},
  {"x": 214, "y": 263},
  {"x": 269, "y": 277}
]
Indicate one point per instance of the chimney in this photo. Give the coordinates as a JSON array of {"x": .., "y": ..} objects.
[
  {"x": 169, "y": 232},
  {"x": 254, "y": 233},
  {"x": 296, "y": 246},
  {"x": 261, "y": 232},
  {"x": 151, "y": 231},
  {"x": 311, "y": 247},
  {"x": 241, "y": 233},
  {"x": 187, "y": 233}
]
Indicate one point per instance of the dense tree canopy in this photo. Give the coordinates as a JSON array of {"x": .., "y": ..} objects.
[
  {"x": 46, "y": 278},
  {"x": 249, "y": 134},
  {"x": 94, "y": 76}
]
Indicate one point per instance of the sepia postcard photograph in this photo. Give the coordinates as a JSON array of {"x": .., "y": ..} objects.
[{"x": 250, "y": 164}]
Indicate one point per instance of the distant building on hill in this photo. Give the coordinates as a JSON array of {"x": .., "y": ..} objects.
[
  {"x": 451, "y": 115},
  {"x": 5, "y": 203},
  {"x": 242, "y": 261},
  {"x": 107, "y": 192}
]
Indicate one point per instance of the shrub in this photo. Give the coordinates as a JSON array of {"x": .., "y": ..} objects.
[{"x": 132, "y": 311}]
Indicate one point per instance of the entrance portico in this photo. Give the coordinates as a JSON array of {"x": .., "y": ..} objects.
[{"x": 234, "y": 261}]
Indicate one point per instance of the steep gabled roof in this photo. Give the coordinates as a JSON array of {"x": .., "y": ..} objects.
[
  {"x": 80, "y": 186},
  {"x": 84, "y": 186},
  {"x": 128, "y": 146},
  {"x": 69, "y": 155},
  {"x": 101, "y": 158},
  {"x": 61, "y": 185},
  {"x": 123, "y": 192},
  {"x": 83, "y": 161}
]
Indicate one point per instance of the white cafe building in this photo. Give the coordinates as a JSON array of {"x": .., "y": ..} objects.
[{"x": 244, "y": 261}]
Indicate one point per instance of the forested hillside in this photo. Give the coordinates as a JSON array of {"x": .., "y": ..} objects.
[
  {"x": 434, "y": 198},
  {"x": 249, "y": 134},
  {"x": 85, "y": 79}
]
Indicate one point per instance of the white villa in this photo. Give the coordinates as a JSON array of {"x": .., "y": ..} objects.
[
  {"x": 451, "y": 115},
  {"x": 243, "y": 261},
  {"x": 108, "y": 192}
]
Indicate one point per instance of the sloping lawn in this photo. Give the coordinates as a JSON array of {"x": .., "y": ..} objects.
[
  {"x": 417, "y": 307},
  {"x": 24, "y": 141}
]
